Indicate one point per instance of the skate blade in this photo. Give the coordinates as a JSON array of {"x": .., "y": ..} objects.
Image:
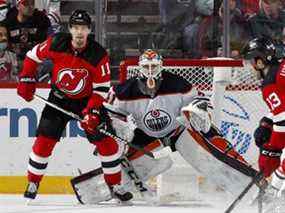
[
  {"x": 125, "y": 203},
  {"x": 29, "y": 201}
]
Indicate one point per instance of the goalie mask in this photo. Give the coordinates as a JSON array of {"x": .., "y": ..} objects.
[
  {"x": 260, "y": 52},
  {"x": 150, "y": 67}
]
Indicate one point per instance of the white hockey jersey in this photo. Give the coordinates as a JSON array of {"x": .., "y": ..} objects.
[{"x": 155, "y": 116}]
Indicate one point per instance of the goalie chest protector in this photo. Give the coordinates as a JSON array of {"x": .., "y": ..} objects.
[{"x": 156, "y": 116}]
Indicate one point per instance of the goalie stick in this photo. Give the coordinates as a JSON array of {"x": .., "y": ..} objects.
[
  {"x": 77, "y": 117},
  {"x": 256, "y": 180},
  {"x": 129, "y": 169}
]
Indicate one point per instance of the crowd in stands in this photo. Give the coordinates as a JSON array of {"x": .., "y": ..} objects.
[
  {"x": 193, "y": 26},
  {"x": 22, "y": 26}
]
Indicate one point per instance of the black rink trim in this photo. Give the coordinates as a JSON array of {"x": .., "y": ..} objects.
[
  {"x": 37, "y": 165},
  {"x": 280, "y": 123},
  {"x": 111, "y": 164}
]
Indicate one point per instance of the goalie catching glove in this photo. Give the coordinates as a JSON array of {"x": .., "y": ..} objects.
[{"x": 197, "y": 115}]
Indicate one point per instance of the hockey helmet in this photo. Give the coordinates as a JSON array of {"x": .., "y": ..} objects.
[
  {"x": 150, "y": 67},
  {"x": 262, "y": 48},
  {"x": 150, "y": 64},
  {"x": 80, "y": 17}
]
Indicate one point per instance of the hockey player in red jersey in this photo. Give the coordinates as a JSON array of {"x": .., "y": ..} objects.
[
  {"x": 269, "y": 136},
  {"x": 80, "y": 77}
]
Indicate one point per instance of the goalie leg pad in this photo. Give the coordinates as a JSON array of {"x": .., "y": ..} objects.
[
  {"x": 147, "y": 167},
  {"x": 199, "y": 157}
]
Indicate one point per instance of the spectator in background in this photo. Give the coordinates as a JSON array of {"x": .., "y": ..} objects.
[
  {"x": 3, "y": 10},
  {"x": 8, "y": 59},
  {"x": 181, "y": 20},
  {"x": 55, "y": 21},
  {"x": 238, "y": 29},
  {"x": 269, "y": 21},
  {"x": 249, "y": 7},
  {"x": 52, "y": 9},
  {"x": 27, "y": 26}
]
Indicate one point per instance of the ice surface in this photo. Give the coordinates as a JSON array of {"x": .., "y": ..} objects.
[{"x": 69, "y": 204}]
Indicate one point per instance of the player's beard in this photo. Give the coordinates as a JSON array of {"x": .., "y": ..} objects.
[{"x": 79, "y": 42}]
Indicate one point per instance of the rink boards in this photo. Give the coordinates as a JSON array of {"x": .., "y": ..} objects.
[{"x": 19, "y": 119}]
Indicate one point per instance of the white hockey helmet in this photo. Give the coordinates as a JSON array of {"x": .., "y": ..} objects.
[{"x": 150, "y": 67}]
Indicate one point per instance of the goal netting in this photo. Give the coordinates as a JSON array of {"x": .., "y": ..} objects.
[{"x": 238, "y": 107}]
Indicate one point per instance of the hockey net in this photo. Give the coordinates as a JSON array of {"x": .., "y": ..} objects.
[{"x": 238, "y": 106}]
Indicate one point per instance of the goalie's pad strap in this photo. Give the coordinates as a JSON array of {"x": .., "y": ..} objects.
[
  {"x": 223, "y": 151},
  {"x": 137, "y": 154}
]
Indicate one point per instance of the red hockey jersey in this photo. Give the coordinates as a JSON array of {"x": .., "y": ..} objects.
[
  {"x": 76, "y": 74},
  {"x": 273, "y": 91}
]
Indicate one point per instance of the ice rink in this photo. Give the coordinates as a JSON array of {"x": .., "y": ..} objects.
[{"x": 69, "y": 204}]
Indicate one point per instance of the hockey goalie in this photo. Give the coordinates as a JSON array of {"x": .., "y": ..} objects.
[{"x": 156, "y": 109}]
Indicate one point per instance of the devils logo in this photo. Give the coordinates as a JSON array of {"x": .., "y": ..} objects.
[{"x": 72, "y": 81}]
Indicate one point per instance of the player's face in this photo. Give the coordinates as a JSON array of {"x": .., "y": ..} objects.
[
  {"x": 258, "y": 64},
  {"x": 150, "y": 70},
  {"x": 3, "y": 34},
  {"x": 259, "y": 67},
  {"x": 3, "y": 39},
  {"x": 79, "y": 35}
]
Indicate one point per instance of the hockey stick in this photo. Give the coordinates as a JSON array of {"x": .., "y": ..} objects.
[
  {"x": 254, "y": 180},
  {"x": 259, "y": 200},
  {"x": 129, "y": 169},
  {"x": 141, "y": 187},
  {"x": 77, "y": 117}
]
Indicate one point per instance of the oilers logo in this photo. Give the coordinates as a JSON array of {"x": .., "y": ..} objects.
[{"x": 157, "y": 120}]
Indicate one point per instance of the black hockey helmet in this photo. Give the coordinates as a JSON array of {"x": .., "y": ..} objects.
[
  {"x": 263, "y": 48},
  {"x": 80, "y": 17}
]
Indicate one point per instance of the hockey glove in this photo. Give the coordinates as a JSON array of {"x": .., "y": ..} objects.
[
  {"x": 26, "y": 88},
  {"x": 269, "y": 160},
  {"x": 90, "y": 122},
  {"x": 94, "y": 119},
  {"x": 197, "y": 114},
  {"x": 262, "y": 133}
]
